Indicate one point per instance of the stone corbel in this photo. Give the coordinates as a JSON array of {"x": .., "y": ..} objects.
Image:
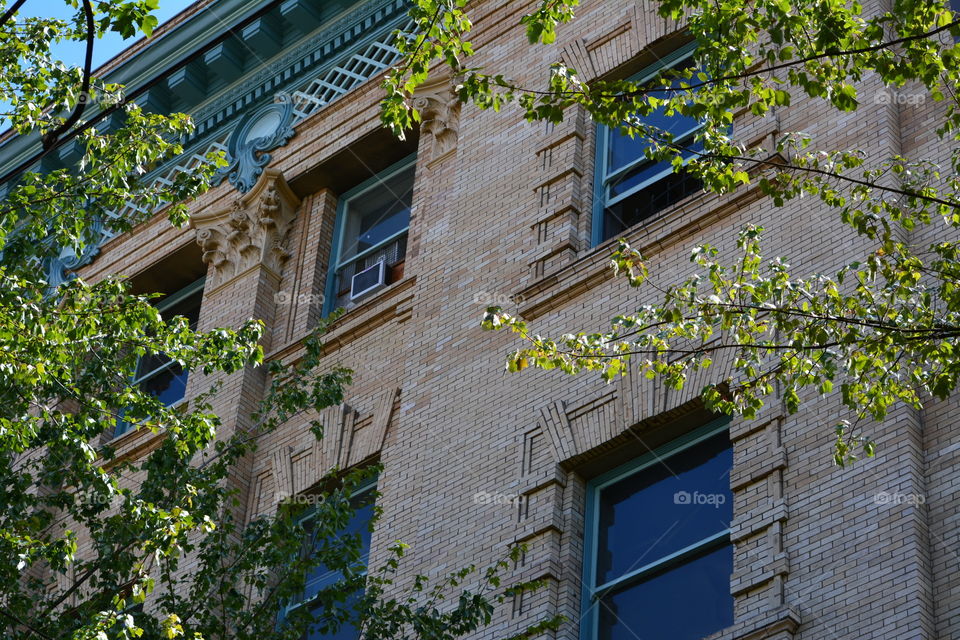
[
  {"x": 439, "y": 108},
  {"x": 252, "y": 231}
]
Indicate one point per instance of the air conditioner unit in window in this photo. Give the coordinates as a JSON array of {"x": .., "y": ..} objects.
[{"x": 369, "y": 280}]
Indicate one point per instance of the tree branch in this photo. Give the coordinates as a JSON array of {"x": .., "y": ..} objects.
[
  {"x": 50, "y": 139},
  {"x": 9, "y": 12}
]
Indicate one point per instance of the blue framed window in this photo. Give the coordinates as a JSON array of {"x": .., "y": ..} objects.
[
  {"x": 156, "y": 373},
  {"x": 372, "y": 223},
  {"x": 321, "y": 577},
  {"x": 629, "y": 188},
  {"x": 658, "y": 556}
]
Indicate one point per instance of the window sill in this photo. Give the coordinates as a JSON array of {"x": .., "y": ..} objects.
[
  {"x": 131, "y": 445},
  {"x": 137, "y": 441},
  {"x": 782, "y": 621},
  {"x": 392, "y": 303},
  {"x": 674, "y": 225}
]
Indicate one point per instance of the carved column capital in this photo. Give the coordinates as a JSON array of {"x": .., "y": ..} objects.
[
  {"x": 439, "y": 107},
  {"x": 252, "y": 231}
]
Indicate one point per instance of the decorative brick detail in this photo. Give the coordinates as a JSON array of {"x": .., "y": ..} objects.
[
  {"x": 333, "y": 450},
  {"x": 282, "y": 474},
  {"x": 556, "y": 425},
  {"x": 549, "y": 517},
  {"x": 575, "y": 430},
  {"x": 348, "y": 440},
  {"x": 559, "y": 193},
  {"x": 252, "y": 232},
  {"x": 638, "y": 27},
  {"x": 761, "y": 561}
]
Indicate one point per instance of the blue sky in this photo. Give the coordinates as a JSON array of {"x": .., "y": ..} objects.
[
  {"x": 72, "y": 53},
  {"x": 104, "y": 48}
]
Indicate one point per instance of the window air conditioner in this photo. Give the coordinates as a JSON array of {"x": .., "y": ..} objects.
[{"x": 369, "y": 280}]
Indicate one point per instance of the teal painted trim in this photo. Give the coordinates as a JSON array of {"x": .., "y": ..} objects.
[
  {"x": 588, "y": 616},
  {"x": 589, "y": 590},
  {"x": 603, "y": 141},
  {"x": 329, "y": 293},
  {"x": 353, "y": 24},
  {"x": 599, "y": 190},
  {"x": 161, "y": 52},
  {"x": 168, "y": 301},
  {"x": 352, "y": 30},
  {"x": 665, "y": 562}
]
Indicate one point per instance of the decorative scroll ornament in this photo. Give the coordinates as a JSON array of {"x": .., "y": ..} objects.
[
  {"x": 253, "y": 231},
  {"x": 58, "y": 270},
  {"x": 265, "y": 129},
  {"x": 439, "y": 107}
]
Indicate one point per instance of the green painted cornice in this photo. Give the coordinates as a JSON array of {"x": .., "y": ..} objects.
[{"x": 216, "y": 54}]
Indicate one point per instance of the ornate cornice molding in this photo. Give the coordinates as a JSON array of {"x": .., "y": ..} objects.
[{"x": 253, "y": 231}]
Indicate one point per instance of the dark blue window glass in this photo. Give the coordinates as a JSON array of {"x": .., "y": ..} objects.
[
  {"x": 664, "y": 508},
  {"x": 659, "y": 539},
  {"x": 633, "y": 188},
  {"x": 687, "y": 602},
  {"x": 322, "y": 577},
  {"x": 157, "y": 374}
]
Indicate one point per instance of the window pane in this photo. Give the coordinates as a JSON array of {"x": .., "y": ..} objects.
[
  {"x": 151, "y": 362},
  {"x": 664, "y": 508},
  {"x": 189, "y": 308},
  {"x": 649, "y": 171},
  {"x": 688, "y": 602},
  {"x": 321, "y": 577},
  {"x": 378, "y": 213},
  {"x": 624, "y": 150},
  {"x": 155, "y": 373},
  {"x": 647, "y": 202},
  {"x": 644, "y": 187},
  {"x": 346, "y": 631},
  {"x": 170, "y": 385}
]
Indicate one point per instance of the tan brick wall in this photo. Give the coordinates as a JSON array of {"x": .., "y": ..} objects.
[{"x": 508, "y": 214}]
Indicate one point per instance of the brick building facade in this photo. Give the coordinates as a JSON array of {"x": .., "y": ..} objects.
[{"x": 631, "y": 497}]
